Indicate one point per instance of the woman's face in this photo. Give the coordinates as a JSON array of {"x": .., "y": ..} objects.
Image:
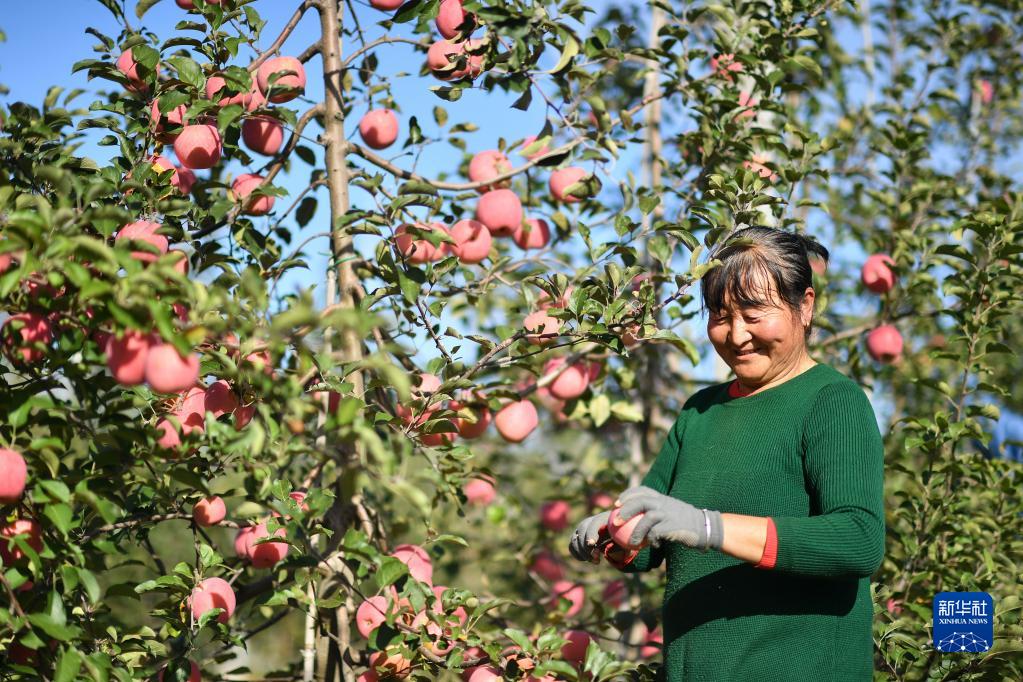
[{"x": 762, "y": 344}]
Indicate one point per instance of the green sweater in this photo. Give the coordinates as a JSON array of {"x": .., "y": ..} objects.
[{"x": 807, "y": 454}]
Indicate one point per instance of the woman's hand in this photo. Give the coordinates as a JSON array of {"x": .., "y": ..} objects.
[
  {"x": 583, "y": 544},
  {"x": 667, "y": 519}
]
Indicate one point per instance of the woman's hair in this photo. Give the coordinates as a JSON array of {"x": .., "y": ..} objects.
[{"x": 755, "y": 255}]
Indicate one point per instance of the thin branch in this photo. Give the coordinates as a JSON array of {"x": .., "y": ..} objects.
[
  {"x": 285, "y": 32},
  {"x": 379, "y": 41}
]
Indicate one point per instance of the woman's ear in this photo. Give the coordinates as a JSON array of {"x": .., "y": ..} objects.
[{"x": 806, "y": 307}]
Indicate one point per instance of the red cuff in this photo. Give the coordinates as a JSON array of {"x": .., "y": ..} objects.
[{"x": 771, "y": 548}]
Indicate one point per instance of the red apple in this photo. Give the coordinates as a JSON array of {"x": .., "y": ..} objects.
[
  {"x": 246, "y": 184},
  {"x": 371, "y": 614},
  {"x": 386, "y": 5},
  {"x": 478, "y": 491},
  {"x": 562, "y": 179},
  {"x": 545, "y": 327},
  {"x": 209, "y": 594},
  {"x": 22, "y": 332},
  {"x": 198, "y": 146},
  {"x": 546, "y": 565},
  {"x": 572, "y": 382},
  {"x": 289, "y": 82},
  {"x": 394, "y": 665},
  {"x": 876, "y": 275},
  {"x": 417, "y": 560},
  {"x": 175, "y": 118},
  {"x": 473, "y": 241},
  {"x": 209, "y": 511},
  {"x": 168, "y": 372},
  {"x": 127, "y": 65},
  {"x": 263, "y": 134},
  {"x": 621, "y": 532},
  {"x": 488, "y": 165},
  {"x": 9, "y": 551},
  {"x": 601, "y": 500},
  {"x": 884, "y": 344},
  {"x": 439, "y": 59},
  {"x": 469, "y": 429},
  {"x": 266, "y": 554},
  {"x": 181, "y": 179},
  {"x": 501, "y": 211},
  {"x": 534, "y": 233},
  {"x": 554, "y": 515},
  {"x": 724, "y": 65},
  {"x": 419, "y": 251},
  {"x": 450, "y": 16},
  {"x": 578, "y": 642},
  {"x": 614, "y": 593},
  {"x": 143, "y": 231},
  {"x": 528, "y": 142},
  {"x": 516, "y": 420},
  {"x": 126, "y": 357},
  {"x": 482, "y": 673},
  {"x": 251, "y": 100},
  {"x": 758, "y": 164},
  {"x": 575, "y": 594},
  {"x": 220, "y": 399},
  {"x": 653, "y": 644},
  {"x": 379, "y": 128},
  {"x": 13, "y": 474}
]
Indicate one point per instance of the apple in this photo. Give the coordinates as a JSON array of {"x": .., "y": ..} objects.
[
  {"x": 143, "y": 231},
  {"x": 371, "y": 614},
  {"x": 543, "y": 301},
  {"x": 417, "y": 560},
  {"x": 473, "y": 241},
  {"x": 601, "y": 500},
  {"x": 501, "y": 211},
  {"x": 181, "y": 179},
  {"x": 386, "y": 5},
  {"x": 9, "y": 551},
  {"x": 13, "y": 474},
  {"x": 251, "y": 100},
  {"x": 450, "y": 16},
  {"x": 653, "y": 643},
  {"x": 534, "y": 233},
  {"x": 243, "y": 415},
  {"x": 986, "y": 90},
  {"x": 22, "y": 332},
  {"x": 438, "y": 59},
  {"x": 757, "y": 164},
  {"x": 614, "y": 593},
  {"x": 488, "y": 165},
  {"x": 544, "y": 326},
  {"x": 246, "y": 184},
  {"x": 263, "y": 134},
  {"x": 209, "y": 511},
  {"x": 554, "y": 515},
  {"x": 483, "y": 673},
  {"x": 289, "y": 82},
  {"x": 575, "y": 594},
  {"x": 471, "y": 429},
  {"x": 516, "y": 420},
  {"x": 169, "y": 438},
  {"x": 419, "y": 251},
  {"x": 198, "y": 146},
  {"x": 194, "y": 674},
  {"x": 458, "y": 614},
  {"x": 126, "y": 357},
  {"x": 746, "y": 99},
  {"x": 546, "y": 565},
  {"x": 394, "y": 665},
  {"x": 167, "y": 371},
  {"x": 572, "y": 382},
  {"x": 379, "y": 128},
  {"x": 884, "y": 344},
  {"x": 578, "y": 642},
  {"x": 528, "y": 142},
  {"x": 127, "y": 65},
  {"x": 266, "y": 554},
  {"x": 175, "y": 117},
  {"x": 818, "y": 265},
  {"x": 876, "y": 275},
  {"x": 621, "y": 532},
  {"x": 562, "y": 179},
  {"x": 724, "y": 65},
  {"x": 478, "y": 491},
  {"x": 209, "y": 594},
  {"x": 220, "y": 399}
]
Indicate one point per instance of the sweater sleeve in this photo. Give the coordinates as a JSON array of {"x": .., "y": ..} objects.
[
  {"x": 660, "y": 477},
  {"x": 843, "y": 460}
]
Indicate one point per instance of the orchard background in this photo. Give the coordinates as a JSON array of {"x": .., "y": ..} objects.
[{"x": 881, "y": 128}]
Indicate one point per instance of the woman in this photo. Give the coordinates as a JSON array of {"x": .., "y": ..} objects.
[{"x": 780, "y": 472}]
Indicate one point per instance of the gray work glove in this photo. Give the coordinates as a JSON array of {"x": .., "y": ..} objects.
[
  {"x": 667, "y": 519},
  {"x": 583, "y": 545}
]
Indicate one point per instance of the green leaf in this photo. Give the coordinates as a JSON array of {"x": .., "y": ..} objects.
[
  {"x": 600, "y": 409},
  {"x": 390, "y": 570},
  {"x": 68, "y": 666},
  {"x": 570, "y": 50},
  {"x": 305, "y": 211},
  {"x": 408, "y": 12},
  {"x": 144, "y": 6}
]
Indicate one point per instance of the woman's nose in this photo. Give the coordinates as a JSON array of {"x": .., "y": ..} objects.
[{"x": 737, "y": 333}]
